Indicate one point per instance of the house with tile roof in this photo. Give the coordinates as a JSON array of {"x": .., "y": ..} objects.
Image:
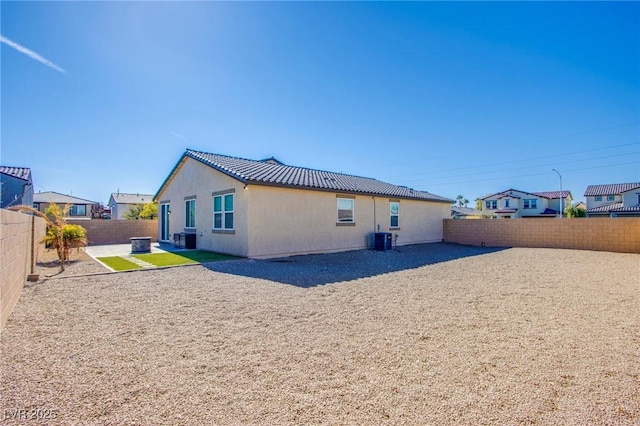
[
  {"x": 514, "y": 203},
  {"x": 266, "y": 209},
  {"x": 80, "y": 208},
  {"x": 120, "y": 203},
  {"x": 16, "y": 186},
  {"x": 459, "y": 212},
  {"x": 618, "y": 199}
]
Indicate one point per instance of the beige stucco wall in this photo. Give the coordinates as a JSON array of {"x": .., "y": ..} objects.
[
  {"x": 285, "y": 221},
  {"x": 276, "y": 221},
  {"x": 195, "y": 178}
]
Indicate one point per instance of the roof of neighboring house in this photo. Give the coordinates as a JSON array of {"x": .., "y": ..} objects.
[
  {"x": 506, "y": 211},
  {"x": 546, "y": 194},
  {"x": 23, "y": 173},
  {"x": 627, "y": 209},
  {"x": 605, "y": 208},
  {"x": 56, "y": 197},
  {"x": 274, "y": 174},
  {"x": 610, "y": 189},
  {"x": 549, "y": 211},
  {"x": 553, "y": 194},
  {"x": 465, "y": 211},
  {"x": 123, "y": 198}
]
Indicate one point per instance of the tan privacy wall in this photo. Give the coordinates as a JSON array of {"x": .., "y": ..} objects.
[
  {"x": 117, "y": 231},
  {"x": 603, "y": 234},
  {"x": 20, "y": 235}
]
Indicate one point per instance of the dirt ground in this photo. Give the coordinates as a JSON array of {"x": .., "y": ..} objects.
[{"x": 433, "y": 334}]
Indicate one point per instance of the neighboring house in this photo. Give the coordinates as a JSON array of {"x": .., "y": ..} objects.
[
  {"x": 458, "y": 212},
  {"x": 618, "y": 199},
  {"x": 120, "y": 203},
  {"x": 264, "y": 209},
  {"x": 580, "y": 205},
  {"x": 80, "y": 208},
  {"x": 16, "y": 186},
  {"x": 513, "y": 203}
]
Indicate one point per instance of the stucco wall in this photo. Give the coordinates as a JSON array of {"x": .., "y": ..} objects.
[
  {"x": 604, "y": 234},
  {"x": 19, "y": 248},
  {"x": 274, "y": 221},
  {"x": 117, "y": 231},
  {"x": 194, "y": 178}
]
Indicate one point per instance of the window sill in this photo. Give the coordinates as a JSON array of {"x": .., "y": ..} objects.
[
  {"x": 223, "y": 231},
  {"x": 345, "y": 224},
  {"x": 192, "y": 230},
  {"x": 394, "y": 228}
]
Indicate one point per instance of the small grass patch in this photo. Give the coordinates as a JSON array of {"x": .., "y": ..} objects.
[
  {"x": 117, "y": 263},
  {"x": 183, "y": 257}
]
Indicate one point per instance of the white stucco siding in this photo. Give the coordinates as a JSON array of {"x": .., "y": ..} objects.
[
  {"x": 631, "y": 198},
  {"x": 196, "y": 179},
  {"x": 604, "y": 201}
]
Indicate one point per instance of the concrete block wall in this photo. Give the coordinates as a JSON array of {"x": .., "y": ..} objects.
[
  {"x": 20, "y": 236},
  {"x": 600, "y": 234},
  {"x": 101, "y": 232}
]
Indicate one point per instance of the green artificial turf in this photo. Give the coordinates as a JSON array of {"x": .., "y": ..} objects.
[
  {"x": 183, "y": 257},
  {"x": 117, "y": 263}
]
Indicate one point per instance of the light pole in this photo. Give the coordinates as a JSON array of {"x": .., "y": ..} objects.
[{"x": 561, "y": 200}]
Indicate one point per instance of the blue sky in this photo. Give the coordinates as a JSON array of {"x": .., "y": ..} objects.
[{"x": 452, "y": 98}]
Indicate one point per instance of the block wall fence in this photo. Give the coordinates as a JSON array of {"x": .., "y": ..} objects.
[
  {"x": 101, "y": 232},
  {"x": 20, "y": 236},
  {"x": 601, "y": 234}
]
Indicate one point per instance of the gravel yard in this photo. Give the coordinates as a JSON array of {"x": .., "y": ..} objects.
[{"x": 432, "y": 334}]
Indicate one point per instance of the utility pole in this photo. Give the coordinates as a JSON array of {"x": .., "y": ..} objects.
[{"x": 561, "y": 199}]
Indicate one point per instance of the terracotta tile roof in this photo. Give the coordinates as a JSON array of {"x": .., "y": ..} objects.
[
  {"x": 23, "y": 173},
  {"x": 274, "y": 174},
  {"x": 606, "y": 208},
  {"x": 611, "y": 189},
  {"x": 506, "y": 211},
  {"x": 553, "y": 194},
  {"x": 635, "y": 208}
]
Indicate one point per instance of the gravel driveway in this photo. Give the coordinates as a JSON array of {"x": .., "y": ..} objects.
[{"x": 432, "y": 334}]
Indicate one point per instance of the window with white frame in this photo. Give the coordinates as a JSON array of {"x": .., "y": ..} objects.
[
  {"x": 78, "y": 210},
  {"x": 598, "y": 197},
  {"x": 394, "y": 213},
  {"x": 346, "y": 210},
  {"x": 530, "y": 203},
  {"x": 507, "y": 202},
  {"x": 611, "y": 197},
  {"x": 491, "y": 204},
  {"x": 223, "y": 212},
  {"x": 190, "y": 213}
]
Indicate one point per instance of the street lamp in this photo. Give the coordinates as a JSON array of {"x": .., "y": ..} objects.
[{"x": 561, "y": 200}]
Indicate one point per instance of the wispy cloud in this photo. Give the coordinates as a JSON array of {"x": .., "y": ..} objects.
[
  {"x": 30, "y": 53},
  {"x": 178, "y": 135}
]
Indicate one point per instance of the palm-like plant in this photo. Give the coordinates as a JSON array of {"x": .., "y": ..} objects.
[{"x": 60, "y": 235}]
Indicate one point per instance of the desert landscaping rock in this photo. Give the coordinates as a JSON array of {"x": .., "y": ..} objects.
[{"x": 432, "y": 334}]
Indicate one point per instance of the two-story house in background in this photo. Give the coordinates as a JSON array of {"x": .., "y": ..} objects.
[
  {"x": 618, "y": 199},
  {"x": 514, "y": 203}
]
